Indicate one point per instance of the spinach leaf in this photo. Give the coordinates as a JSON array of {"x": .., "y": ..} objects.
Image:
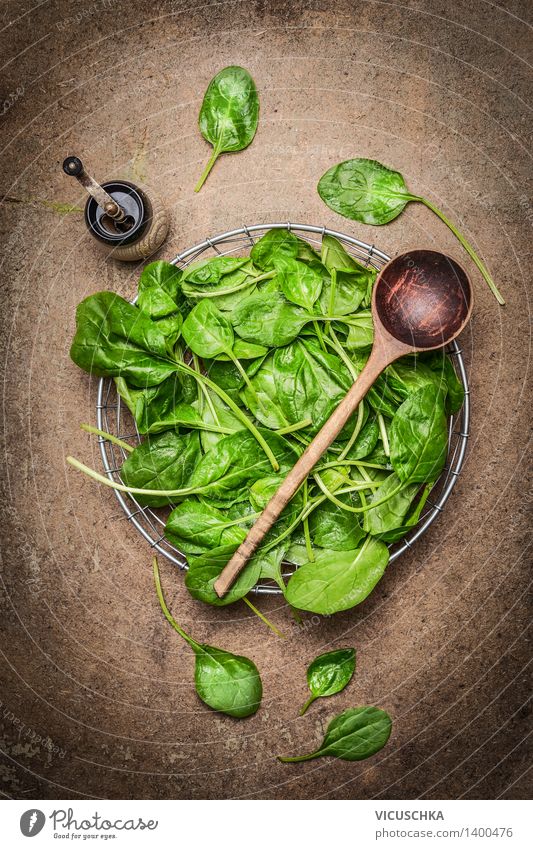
[
  {"x": 354, "y": 735},
  {"x": 419, "y": 436},
  {"x": 263, "y": 402},
  {"x": 273, "y": 323},
  {"x": 334, "y": 528},
  {"x": 165, "y": 461},
  {"x": 205, "y": 569},
  {"x": 228, "y": 683},
  {"x": 197, "y": 527},
  {"x": 350, "y": 282},
  {"x": 274, "y": 246},
  {"x": 207, "y": 331},
  {"x": 217, "y": 415},
  {"x": 229, "y": 114},
  {"x": 114, "y": 338},
  {"x": 335, "y": 256},
  {"x": 233, "y": 464},
  {"x": 161, "y": 407},
  {"x": 406, "y": 377},
  {"x": 441, "y": 365},
  {"x": 300, "y": 283},
  {"x": 309, "y": 383},
  {"x": 212, "y": 271},
  {"x": 360, "y": 332},
  {"x": 366, "y": 440},
  {"x": 367, "y": 191},
  {"x": 397, "y": 533},
  {"x": 364, "y": 190},
  {"x": 329, "y": 673},
  {"x": 159, "y": 296},
  {"x": 389, "y": 514},
  {"x": 330, "y": 584}
]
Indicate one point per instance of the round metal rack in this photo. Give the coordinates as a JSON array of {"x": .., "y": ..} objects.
[{"x": 113, "y": 417}]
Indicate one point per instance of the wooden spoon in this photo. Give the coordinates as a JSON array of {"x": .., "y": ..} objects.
[{"x": 422, "y": 299}]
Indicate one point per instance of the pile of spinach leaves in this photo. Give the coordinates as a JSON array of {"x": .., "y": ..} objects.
[{"x": 229, "y": 368}]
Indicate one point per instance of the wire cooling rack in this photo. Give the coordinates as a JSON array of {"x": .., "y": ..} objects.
[{"x": 113, "y": 417}]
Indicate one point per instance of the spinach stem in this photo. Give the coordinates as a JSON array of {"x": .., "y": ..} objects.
[
  {"x": 332, "y": 291},
  {"x": 351, "y": 463},
  {"x": 319, "y": 334},
  {"x": 298, "y": 759},
  {"x": 166, "y": 611},
  {"x": 108, "y": 436},
  {"x": 135, "y": 490},
  {"x": 468, "y": 248},
  {"x": 308, "y": 703},
  {"x": 291, "y": 428},
  {"x": 205, "y": 173},
  {"x": 307, "y": 534},
  {"x": 264, "y": 619},
  {"x": 383, "y": 432},
  {"x": 203, "y": 393}
]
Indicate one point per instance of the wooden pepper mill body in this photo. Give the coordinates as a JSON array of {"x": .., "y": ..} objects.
[{"x": 129, "y": 219}]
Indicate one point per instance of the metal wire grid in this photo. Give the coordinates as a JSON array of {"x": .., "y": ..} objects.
[{"x": 113, "y": 417}]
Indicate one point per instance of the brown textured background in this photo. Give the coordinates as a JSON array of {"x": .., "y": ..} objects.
[{"x": 436, "y": 89}]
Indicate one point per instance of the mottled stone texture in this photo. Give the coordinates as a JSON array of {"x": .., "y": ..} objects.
[{"x": 439, "y": 91}]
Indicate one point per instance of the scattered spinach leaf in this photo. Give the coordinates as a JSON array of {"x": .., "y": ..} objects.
[
  {"x": 365, "y": 190},
  {"x": 228, "y": 683},
  {"x": 354, "y": 735},
  {"x": 229, "y": 114},
  {"x": 329, "y": 673}
]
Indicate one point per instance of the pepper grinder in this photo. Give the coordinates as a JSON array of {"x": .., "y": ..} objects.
[{"x": 121, "y": 215}]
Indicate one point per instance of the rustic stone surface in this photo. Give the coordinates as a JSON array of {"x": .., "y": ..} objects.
[{"x": 436, "y": 89}]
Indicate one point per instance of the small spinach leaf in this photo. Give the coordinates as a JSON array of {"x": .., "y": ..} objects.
[
  {"x": 300, "y": 283},
  {"x": 354, "y": 735},
  {"x": 333, "y": 583},
  {"x": 207, "y": 331},
  {"x": 114, "y": 338},
  {"x": 199, "y": 527},
  {"x": 229, "y": 114},
  {"x": 226, "y": 682},
  {"x": 273, "y": 323},
  {"x": 364, "y": 190},
  {"x": 329, "y": 673}
]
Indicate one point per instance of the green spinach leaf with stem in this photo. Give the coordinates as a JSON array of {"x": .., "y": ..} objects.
[
  {"x": 116, "y": 339},
  {"x": 309, "y": 383},
  {"x": 160, "y": 297},
  {"x": 367, "y": 191},
  {"x": 229, "y": 114},
  {"x": 354, "y": 735},
  {"x": 196, "y": 527},
  {"x": 331, "y": 584},
  {"x": 419, "y": 436},
  {"x": 161, "y": 462},
  {"x": 328, "y": 674},
  {"x": 397, "y": 533},
  {"x": 300, "y": 283},
  {"x": 390, "y": 512},
  {"x": 226, "y": 682},
  {"x": 334, "y": 528}
]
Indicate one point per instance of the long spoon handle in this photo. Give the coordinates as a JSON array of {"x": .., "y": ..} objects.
[{"x": 378, "y": 360}]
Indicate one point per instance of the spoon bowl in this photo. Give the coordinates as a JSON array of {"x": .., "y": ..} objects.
[{"x": 422, "y": 299}]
